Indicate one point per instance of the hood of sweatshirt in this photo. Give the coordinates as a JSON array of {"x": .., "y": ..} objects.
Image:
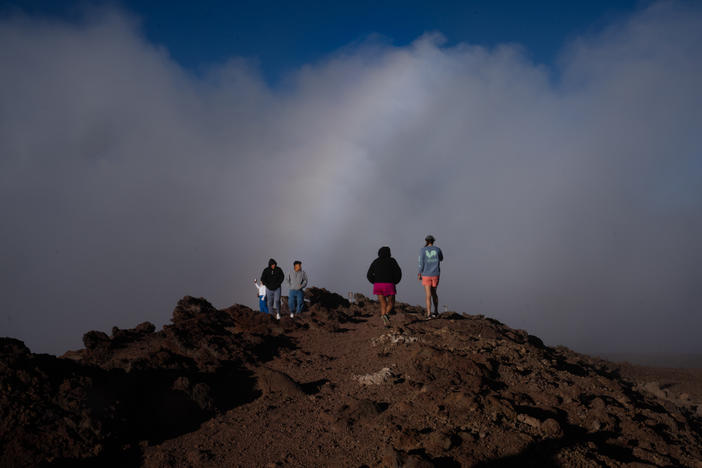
[{"x": 384, "y": 252}]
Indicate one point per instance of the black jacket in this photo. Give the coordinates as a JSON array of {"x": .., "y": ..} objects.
[
  {"x": 271, "y": 278},
  {"x": 384, "y": 269}
]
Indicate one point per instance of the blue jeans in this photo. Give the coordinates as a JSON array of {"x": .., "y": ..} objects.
[
  {"x": 273, "y": 300},
  {"x": 262, "y": 304},
  {"x": 296, "y": 300}
]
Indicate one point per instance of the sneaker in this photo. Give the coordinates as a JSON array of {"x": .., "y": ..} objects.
[
  {"x": 277, "y": 316},
  {"x": 292, "y": 315},
  {"x": 386, "y": 320}
]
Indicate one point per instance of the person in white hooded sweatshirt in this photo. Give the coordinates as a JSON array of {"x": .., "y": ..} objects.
[{"x": 261, "y": 296}]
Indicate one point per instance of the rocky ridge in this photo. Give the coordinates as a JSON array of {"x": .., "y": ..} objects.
[{"x": 234, "y": 387}]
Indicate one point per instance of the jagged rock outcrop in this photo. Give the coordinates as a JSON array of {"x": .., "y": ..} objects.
[
  {"x": 234, "y": 387},
  {"x": 137, "y": 384}
]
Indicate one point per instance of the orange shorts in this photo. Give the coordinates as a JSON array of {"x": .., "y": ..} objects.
[{"x": 432, "y": 281}]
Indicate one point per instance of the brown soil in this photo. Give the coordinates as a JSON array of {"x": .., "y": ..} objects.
[{"x": 334, "y": 387}]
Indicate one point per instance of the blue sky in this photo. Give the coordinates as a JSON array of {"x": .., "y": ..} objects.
[{"x": 281, "y": 36}]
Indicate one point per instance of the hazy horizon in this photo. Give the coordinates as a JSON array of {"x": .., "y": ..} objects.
[{"x": 567, "y": 198}]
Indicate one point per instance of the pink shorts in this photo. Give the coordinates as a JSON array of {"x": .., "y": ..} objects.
[
  {"x": 384, "y": 289},
  {"x": 432, "y": 281}
]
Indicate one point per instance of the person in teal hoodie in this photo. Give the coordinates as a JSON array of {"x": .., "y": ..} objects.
[{"x": 429, "y": 271}]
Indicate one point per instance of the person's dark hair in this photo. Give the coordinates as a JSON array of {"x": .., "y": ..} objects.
[
  {"x": 384, "y": 251},
  {"x": 297, "y": 262},
  {"x": 429, "y": 239}
]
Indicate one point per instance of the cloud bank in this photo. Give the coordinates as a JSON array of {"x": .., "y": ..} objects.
[{"x": 567, "y": 200}]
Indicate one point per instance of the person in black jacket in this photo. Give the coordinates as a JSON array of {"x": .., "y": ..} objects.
[
  {"x": 272, "y": 277},
  {"x": 385, "y": 273}
]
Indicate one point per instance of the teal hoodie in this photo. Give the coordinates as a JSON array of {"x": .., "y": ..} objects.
[{"x": 429, "y": 258}]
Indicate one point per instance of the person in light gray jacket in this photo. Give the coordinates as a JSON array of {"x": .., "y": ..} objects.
[{"x": 296, "y": 282}]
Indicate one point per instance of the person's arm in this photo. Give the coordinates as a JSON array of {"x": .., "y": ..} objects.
[
  {"x": 304, "y": 280},
  {"x": 371, "y": 273},
  {"x": 421, "y": 264},
  {"x": 441, "y": 256},
  {"x": 398, "y": 272},
  {"x": 288, "y": 280}
]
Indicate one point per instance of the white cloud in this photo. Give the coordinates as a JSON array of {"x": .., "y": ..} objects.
[{"x": 566, "y": 206}]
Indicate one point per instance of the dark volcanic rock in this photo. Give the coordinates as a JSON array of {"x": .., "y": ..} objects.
[
  {"x": 96, "y": 339},
  {"x": 234, "y": 387},
  {"x": 53, "y": 408},
  {"x": 136, "y": 385},
  {"x": 325, "y": 299},
  {"x": 12, "y": 350}
]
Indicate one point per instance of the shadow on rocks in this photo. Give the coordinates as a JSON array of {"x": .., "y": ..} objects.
[
  {"x": 156, "y": 405},
  {"x": 543, "y": 453}
]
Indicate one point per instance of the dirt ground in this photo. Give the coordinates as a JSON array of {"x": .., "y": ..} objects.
[{"x": 334, "y": 387}]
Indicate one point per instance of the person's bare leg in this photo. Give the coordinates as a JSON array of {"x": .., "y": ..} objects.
[
  {"x": 435, "y": 297},
  {"x": 383, "y": 305},
  {"x": 427, "y": 290},
  {"x": 391, "y": 304}
]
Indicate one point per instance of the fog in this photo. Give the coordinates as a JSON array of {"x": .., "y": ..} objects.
[{"x": 567, "y": 199}]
